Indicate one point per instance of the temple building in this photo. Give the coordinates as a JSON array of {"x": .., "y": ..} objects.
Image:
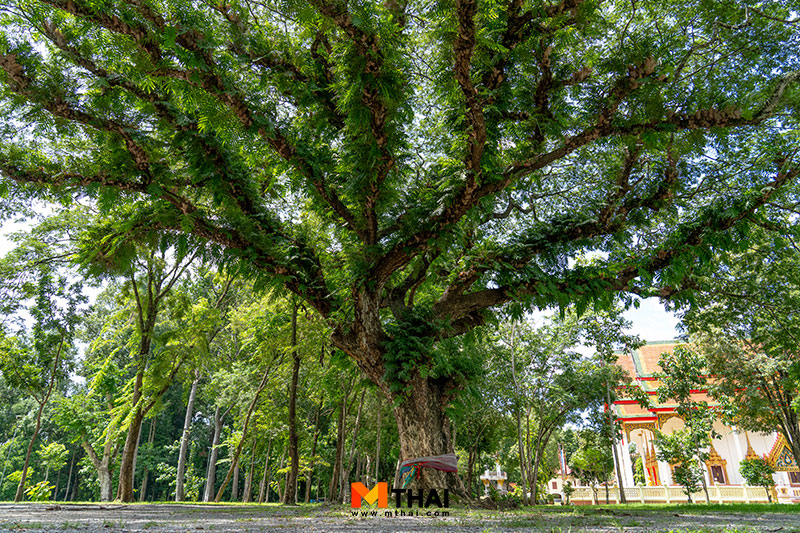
[
  {"x": 638, "y": 427},
  {"x": 722, "y": 467}
]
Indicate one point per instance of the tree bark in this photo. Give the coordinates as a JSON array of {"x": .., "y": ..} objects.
[
  {"x": 235, "y": 484},
  {"x": 69, "y": 476},
  {"x": 294, "y": 456},
  {"x": 282, "y": 489},
  {"x": 211, "y": 471},
  {"x": 345, "y": 490},
  {"x": 187, "y": 426},
  {"x": 470, "y": 471},
  {"x": 146, "y": 472},
  {"x": 612, "y": 431},
  {"x": 269, "y": 481},
  {"x": 333, "y": 490},
  {"x": 104, "y": 475},
  {"x": 424, "y": 430},
  {"x": 378, "y": 439},
  {"x": 58, "y": 482},
  {"x": 248, "y": 480},
  {"x": 310, "y": 473},
  {"x": 125, "y": 487},
  {"x": 263, "y": 484}
]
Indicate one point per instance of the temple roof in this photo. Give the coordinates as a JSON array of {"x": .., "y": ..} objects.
[{"x": 642, "y": 366}]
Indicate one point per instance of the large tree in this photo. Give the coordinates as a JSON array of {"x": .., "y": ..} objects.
[{"x": 406, "y": 168}]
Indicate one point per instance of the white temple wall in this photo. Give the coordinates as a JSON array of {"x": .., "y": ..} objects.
[{"x": 727, "y": 449}]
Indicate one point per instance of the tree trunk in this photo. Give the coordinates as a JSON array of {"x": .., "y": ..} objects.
[
  {"x": 345, "y": 490},
  {"x": 522, "y": 461},
  {"x": 378, "y": 439},
  {"x": 269, "y": 481},
  {"x": 126, "y": 465},
  {"x": 424, "y": 430},
  {"x": 58, "y": 482},
  {"x": 613, "y": 433},
  {"x": 69, "y": 476},
  {"x": 705, "y": 487},
  {"x": 263, "y": 484},
  {"x": 235, "y": 484},
  {"x": 104, "y": 476},
  {"x": 282, "y": 489},
  {"x": 21, "y": 486},
  {"x": 248, "y": 481},
  {"x": 470, "y": 471},
  {"x": 333, "y": 491},
  {"x": 294, "y": 456},
  {"x": 310, "y": 474},
  {"x": 151, "y": 435},
  {"x": 250, "y": 410},
  {"x": 187, "y": 426},
  {"x": 537, "y": 459},
  {"x": 75, "y": 485},
  {"x": 211, "y": 471}
]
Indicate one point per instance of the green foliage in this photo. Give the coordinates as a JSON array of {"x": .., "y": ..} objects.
[
  {"x": 408, "y": 346},
  {"x": 638, "y": 471},
  {"x": 757, "y": 472},
  {"x": 568, "y": 490},
  {"x": 53, "y": 456},
  {"x": 680, "y": 449},
  {"x": 684, "y": 371},
  {"x": 743, "y": 323},
  {"x": 592, "y": 462},
  {"x": 40, "y": 492}
]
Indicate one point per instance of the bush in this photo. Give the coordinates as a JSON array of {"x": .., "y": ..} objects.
[{"x": 41, "y": 492}]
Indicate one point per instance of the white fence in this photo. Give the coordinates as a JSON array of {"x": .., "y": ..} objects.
[{"x": 674, "y": 494}]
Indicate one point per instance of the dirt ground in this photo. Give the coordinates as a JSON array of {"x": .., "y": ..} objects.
[{"x": 224, "y": 518}]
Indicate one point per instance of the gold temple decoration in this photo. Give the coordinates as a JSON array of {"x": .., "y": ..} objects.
[
  {"x": 714, "y": 459},
  {"x": 751, "y": 453},
  {"x": 781, "y": 457},
  {"x": 629, "y": 428}
]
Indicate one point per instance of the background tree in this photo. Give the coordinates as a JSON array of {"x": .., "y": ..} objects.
[
  {"x": 757, "y": 472},
  {"x": 554, "y": 383},
  {"x": 685, "y": 371},
  {"x": 408, "y": 169},
  {"x": 680, "y": 449},
  {"x": 36, "y": 360},
  {"x": 744, "y": 321},
  {"x": 592, "y": 462}
]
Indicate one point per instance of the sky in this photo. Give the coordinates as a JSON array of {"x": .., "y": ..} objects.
[{"x": 651, "y": 322}]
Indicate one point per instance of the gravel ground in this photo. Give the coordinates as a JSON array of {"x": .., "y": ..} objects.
[{"x": 229, "y": 518}]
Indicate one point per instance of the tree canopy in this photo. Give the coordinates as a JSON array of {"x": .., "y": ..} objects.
[{"x": 409, "y": 168}]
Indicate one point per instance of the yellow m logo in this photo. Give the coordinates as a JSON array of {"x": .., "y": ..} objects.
[{"x": 379, "y": 492}]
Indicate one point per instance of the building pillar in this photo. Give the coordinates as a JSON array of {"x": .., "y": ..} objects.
[
  {"x": 626, "y": 462},
  {"x": 643, "y": 454},
  {"x": 739, "y": 454}
]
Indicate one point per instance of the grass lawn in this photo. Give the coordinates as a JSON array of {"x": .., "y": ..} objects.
[{"x": 174, "y": 517}]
